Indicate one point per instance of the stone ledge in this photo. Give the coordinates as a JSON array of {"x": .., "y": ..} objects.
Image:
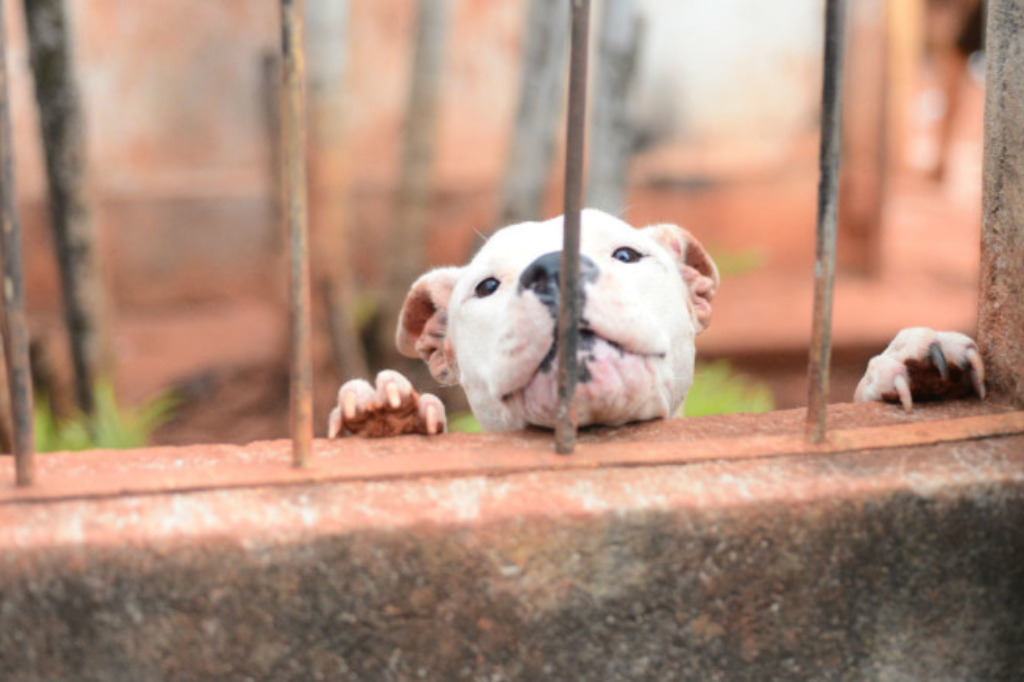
[
  {"x": 101, "y": 473},
  {"x": 889, "y": 563}
]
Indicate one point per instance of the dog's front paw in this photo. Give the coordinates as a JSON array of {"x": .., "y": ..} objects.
[
  {"x": 923, "y": 364},
  {"x": 390, "y": 408}
]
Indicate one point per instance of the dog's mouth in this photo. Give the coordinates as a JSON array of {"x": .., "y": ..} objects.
[
  {"x": 609, "y": 378},
  {"x": 587, "y": 344}
]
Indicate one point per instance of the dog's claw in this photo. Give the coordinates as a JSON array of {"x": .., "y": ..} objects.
[
  {"x": 899, "y": 382},
  {"x": 977, "y": 371},
  {"x": 432, "y": 415},
  {"x": 393, "y": 395},
  {"x": 938, "y": 359},
  {"x": 348, "y": 403},
  {"x": 394, "y": 389},
  {"x": 925, "y": 364},
  {"x": 389, "y": 407},
  {"x": 334, "y": 423},
  {"x": 431, "y": 420}
]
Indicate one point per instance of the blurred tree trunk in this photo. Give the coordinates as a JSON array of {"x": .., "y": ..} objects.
[
  {"x": 408, "y": 234},
  {"x": 611, "y": 141},
  {"x": 71, "y": 216},
  {"x": 327, "y": 45},
  {"x": 538, "y": 115},
  {"x": 9, "y": 226},
  {"x": 270, "y": 91},
  {"x": 864, "y": 174},
  {"x": 6, "y": 423},
  {"x": 17, "y": 386}
]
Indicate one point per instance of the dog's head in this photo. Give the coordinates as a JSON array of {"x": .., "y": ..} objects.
[{"x": 490, "y": 325}]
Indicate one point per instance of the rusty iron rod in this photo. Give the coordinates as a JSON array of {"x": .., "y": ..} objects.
[
  {"x": 569, "y": 283},
  {"x": 828, "y": 199},
  {"x": 19, "y": 372},
  {"x": 295, "y": 202}
]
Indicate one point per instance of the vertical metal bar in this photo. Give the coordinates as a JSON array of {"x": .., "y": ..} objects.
[
  {"x": 19, "y": 374},
  {"x": 569, "y": 284},
  {"x": 293, "y": 128},
  {"x": 828, "y": 195}
]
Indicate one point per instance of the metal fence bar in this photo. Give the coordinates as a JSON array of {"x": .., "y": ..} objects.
[
  {"x": 293, "y": 129},
  {"x": 828, "y": 197},
  {"x": 569, "y": 284},
  {"x": 15, "y": 342}
]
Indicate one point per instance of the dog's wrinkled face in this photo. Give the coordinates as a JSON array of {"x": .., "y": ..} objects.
[{"x": 491, "y": 324}]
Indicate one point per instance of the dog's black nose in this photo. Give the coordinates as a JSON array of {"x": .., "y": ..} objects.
[{"x": 542, "y": 276}]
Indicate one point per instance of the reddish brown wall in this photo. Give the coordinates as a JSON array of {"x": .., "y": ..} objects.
[
  {"x": 172, "y": 92},
  {"x": 177, "y": 134}
]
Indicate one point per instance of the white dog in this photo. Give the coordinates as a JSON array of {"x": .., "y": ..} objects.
[{"x": 646, "y": 294}]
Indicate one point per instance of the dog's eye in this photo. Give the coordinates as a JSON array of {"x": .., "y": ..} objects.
[
  {"x": 627, "y": 255},
  {"x": 487, "y": 287}
]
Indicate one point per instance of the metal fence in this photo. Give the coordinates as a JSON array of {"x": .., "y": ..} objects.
[{"x": 293, "y": 145}]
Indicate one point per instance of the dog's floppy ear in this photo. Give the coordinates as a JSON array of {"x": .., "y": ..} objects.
[
  {"x": 423, "y": 324},
  {"x": 698, "y": 270}
]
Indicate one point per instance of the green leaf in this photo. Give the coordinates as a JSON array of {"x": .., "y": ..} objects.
[
  {"x": 732, "y": 263},
  {"x": 463, "y": 422},
  {"x": 110, "y": 426},
  {"x": 718, "y": 389}
]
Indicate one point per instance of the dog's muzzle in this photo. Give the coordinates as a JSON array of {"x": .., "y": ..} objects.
[{"x": 616, "y": 381}]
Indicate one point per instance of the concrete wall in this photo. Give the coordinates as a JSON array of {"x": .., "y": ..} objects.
[
  {"x": 173, "y": 91},
  {"x": 730, "y": 73},
  {"x": 865, "y": 564}
]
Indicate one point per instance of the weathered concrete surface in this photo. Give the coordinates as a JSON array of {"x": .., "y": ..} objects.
[
  {"x": 1000, "y": 314},
  {"x": 101, "y": 473},
  {"x": 899, "y": 564}
]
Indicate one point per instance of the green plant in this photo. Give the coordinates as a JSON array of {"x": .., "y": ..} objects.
[
  {"x": 109, "y": 426},
  {"x": 463, "y": 422},
  {"x": 732, "y": 263},
  {"x": 718, "y": 389}
]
